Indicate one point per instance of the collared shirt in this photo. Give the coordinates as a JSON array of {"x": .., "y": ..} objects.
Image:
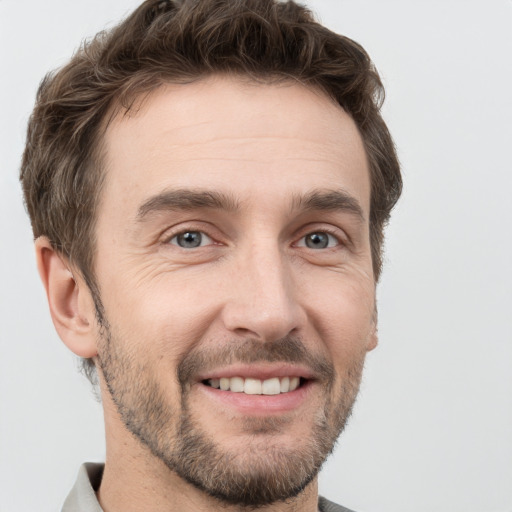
[{"x": 82, "y": 497}]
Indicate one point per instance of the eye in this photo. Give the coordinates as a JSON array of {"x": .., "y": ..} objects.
[
  {"x": 318, "y": 240},
  {"x": 191, "y": 239}
]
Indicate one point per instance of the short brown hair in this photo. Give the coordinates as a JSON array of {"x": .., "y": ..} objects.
[{"x": 179, "y": 41}]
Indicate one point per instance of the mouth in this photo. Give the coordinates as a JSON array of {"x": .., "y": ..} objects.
[
  {"x": 252, "y": 386},
  {"x": 258, "y": 389}
]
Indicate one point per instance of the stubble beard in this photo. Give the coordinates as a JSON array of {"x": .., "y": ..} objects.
[{"x": 264, "y": 472}]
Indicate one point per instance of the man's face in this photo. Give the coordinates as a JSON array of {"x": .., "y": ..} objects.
[{"x": 233, "y": 250}]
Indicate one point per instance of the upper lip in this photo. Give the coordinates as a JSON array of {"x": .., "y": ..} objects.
[{"x": 260, "y": 371}]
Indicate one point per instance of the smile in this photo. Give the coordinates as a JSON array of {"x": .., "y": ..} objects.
[{"x": 251, "y": 386}]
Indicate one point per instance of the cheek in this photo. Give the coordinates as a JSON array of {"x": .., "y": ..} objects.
[
  {"x": 165, "y": 316},
  {"x": 344, "y": 317}
]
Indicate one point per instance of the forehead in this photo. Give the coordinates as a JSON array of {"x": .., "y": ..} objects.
[{"x": 241, "y": 136}]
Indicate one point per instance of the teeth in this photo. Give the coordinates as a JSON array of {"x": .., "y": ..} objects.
[
  {"x": 236, "y": 384},
  {"x": 252, "y": 387},
  {"x": 272, "y": 386},
  {"x": 294, "y": 383}
]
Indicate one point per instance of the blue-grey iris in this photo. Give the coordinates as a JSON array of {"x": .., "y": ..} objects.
[
  {"x": 317, "y": 240},
  {"x": 190, "y": 239}
]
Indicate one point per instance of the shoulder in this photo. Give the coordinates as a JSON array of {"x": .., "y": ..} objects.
[
  {"x": 83, "y": 494},
  {"x": 328, "y": 506}
]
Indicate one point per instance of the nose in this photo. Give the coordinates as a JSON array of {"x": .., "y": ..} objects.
[{"x": 263, "y": 302}]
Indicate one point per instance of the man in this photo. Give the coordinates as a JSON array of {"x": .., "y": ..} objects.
[{"x": 208, "y": 185}]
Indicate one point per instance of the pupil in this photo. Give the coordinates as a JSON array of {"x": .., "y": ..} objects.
[
  {"x": 317, "y": 241},
  {"x": 190, "y": 239}
]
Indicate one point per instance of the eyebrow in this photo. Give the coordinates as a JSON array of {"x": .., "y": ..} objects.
[
  {"x": 329, "y": 200},
  {"x": 184, "y": 199}
]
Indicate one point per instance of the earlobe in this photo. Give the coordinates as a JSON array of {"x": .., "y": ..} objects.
[{"x": 69, "y": 299}]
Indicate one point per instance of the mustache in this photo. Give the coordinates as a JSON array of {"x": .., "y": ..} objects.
[{"x": 288, "y": 349}]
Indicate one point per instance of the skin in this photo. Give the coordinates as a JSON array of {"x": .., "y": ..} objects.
[{"x": 253, "y": 280}]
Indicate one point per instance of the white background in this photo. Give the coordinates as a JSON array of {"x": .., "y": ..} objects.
[{"x": 432, "y": 429}]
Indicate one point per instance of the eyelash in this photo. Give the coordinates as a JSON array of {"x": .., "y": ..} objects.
[
  {"x": 188, "y": 231},
  {"x": 330, "y": 232}
]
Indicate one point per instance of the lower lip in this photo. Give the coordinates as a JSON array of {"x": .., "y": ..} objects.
[{"x": 259, "y": 405}]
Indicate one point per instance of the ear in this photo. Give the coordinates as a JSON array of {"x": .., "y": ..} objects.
[
  {"x": 373, "y": 337},
  {"x": 69, "y": 298}
]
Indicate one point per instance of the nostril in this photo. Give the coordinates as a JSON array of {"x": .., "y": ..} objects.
[
  {"x": 261, "y": 326},
  {"x": 264, "y": 309},
  {"x": 244, "y": 332}
]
